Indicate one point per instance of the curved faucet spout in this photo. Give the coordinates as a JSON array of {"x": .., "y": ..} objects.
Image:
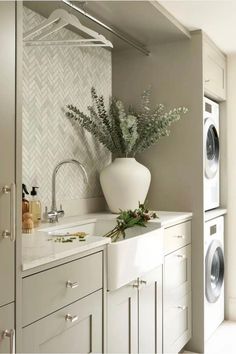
[{"x": 55, "y": 171}]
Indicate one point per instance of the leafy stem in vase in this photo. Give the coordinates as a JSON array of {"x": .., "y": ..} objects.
[{"x": 125, "y": 133}]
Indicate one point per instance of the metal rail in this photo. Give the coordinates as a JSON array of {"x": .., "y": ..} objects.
[{"x": 108, "y": 28}]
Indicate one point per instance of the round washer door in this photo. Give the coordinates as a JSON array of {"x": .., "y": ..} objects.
[
  {"x": 214, "y": 271},
  {"x": 212, "y": 149}
]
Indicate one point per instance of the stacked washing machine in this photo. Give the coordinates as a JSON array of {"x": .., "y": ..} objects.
[{"x": 214, "y": 228}]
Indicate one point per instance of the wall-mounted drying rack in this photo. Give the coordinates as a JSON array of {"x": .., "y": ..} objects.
[
  {"x": 58, "y": 20},
  {"x": 110, "y": 29}
]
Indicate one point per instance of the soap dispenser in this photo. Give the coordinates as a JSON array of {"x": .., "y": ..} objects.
[
  {"x": 25, "y": 202},
  {"x": 35, "y": 207}
]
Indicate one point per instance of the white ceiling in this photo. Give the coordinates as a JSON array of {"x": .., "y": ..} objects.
[{"x": 216, "y": 18}]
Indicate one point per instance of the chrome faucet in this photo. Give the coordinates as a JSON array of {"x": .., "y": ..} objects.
[{"x": 54, "y": 214}]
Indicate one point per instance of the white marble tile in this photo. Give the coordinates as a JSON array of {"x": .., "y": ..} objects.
[{"x": 52, "y": 78}]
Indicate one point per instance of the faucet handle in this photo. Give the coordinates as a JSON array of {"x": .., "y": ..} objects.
[
  {"x": 52, "y": 216},
  {"x": 60, "y": 212},
  {"x": 45, "y": 214}
]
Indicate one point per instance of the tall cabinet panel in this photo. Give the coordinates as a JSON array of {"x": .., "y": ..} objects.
[
  {"x": 7, "y": 343},
  {"x": 7, "y": 150}
]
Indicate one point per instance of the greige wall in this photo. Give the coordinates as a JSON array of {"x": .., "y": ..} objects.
[
  {"x": 230, "y": 235},
  {"x": 175, "y": 72},
  {"x": 52, "y": 78}
]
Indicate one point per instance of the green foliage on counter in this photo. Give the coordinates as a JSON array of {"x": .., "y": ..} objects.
[
  {"x": 125, "y": 133},
  {"x": 130, "y": 218}
]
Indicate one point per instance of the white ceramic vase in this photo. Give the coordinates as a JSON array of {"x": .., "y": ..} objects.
[{"x": 125, "y": 183}]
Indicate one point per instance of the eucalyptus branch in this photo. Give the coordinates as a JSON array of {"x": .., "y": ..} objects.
[{"x": 126, "y": 133}]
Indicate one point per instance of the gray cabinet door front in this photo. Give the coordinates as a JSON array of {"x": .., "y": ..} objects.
[
  {"x": 122, "y": 322},
  {"x": 7, "y": 335},
  {"x": 76, "y": 328},
  {"x": 150, "y": 312},
  {"x": 7, "y": 146}
]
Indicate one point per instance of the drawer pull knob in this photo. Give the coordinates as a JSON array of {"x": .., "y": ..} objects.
[
  {"x": 182, "y": 308},
  {"x": 143, "y": 282},
  {"x": 6, "y": 234},
  {"x": 180, "y": 236},
  {"x": 70, "y": 318},
  {"x": 207, "y": 80},
  {"x": 181, "y": 256},
  {"x": 136, "y": 285},
  {"x": 71, "y": 285}
]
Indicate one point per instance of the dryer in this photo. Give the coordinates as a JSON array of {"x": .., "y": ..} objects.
[
  {"x": 211, "y": 155},
  {"x": 214, "y": 275}
]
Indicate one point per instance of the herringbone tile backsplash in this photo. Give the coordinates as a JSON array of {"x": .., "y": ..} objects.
[{"x": 52, "y": 78}]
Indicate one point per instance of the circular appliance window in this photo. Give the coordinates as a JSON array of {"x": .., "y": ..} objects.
[
  {"x": 212, "y": 149},
  {"x": 214, "y": 268}
]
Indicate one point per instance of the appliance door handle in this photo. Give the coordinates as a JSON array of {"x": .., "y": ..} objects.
[
  {"x": 11, "y": 335},
  {"x": 12, "y": 191}
]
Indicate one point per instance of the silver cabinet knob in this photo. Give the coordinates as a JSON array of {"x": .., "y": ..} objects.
[
  {"x": 143, "y": 282},
  {"x": 72, "y": 285},
  {"x": 181, "y": 256},
  {"x": 6, "y": 234},
  {"x": 10, "y": 333},
  {"x": 70, "y": 318},
  {"x": 6, "y": 189},
  {"x": 180, "y": 236},
  {"x": 136, "y": 285},
  {"x": 182, "y": 308}
]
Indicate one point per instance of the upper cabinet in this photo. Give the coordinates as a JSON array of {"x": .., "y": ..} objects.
[{"x": 214, "y": 62}]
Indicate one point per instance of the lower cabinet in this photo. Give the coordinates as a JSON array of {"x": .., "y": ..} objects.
[
  {"x": 122, "y": 320},
  {"x": 177, "y": 319},
  {"x": 177, "y": 325},
  {"x": 150, "y": 312},
  {"x": 7, "y": 339},
  {"x": 134, "y": 316},
  {"x": 76, "y": 328}
]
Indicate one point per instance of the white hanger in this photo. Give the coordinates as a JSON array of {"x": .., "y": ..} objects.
[{"x": 58, "y": 20}]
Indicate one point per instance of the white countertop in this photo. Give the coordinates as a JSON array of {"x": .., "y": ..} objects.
[
  {"x": 170, "y": 218},
  {"x": 38, "y": 249},
  {"x": 215, "y": 213}
]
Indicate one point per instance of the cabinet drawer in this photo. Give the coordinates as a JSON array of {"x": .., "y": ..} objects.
[
  {"x": 177, "y": 325},
  {"x": 177, "y": 275},
  {"x": 177, "y": 236},
  {"x": 50, "y": 290},
  {"x": 56, "y": 334},
  {"x": 214, "y": 72}
]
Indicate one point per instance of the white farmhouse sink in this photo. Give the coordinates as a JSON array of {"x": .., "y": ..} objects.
[
  {"x": 127, "y": 259},
  {"x": 92, "y": 227},
  {"x": 140, "y": 252}
]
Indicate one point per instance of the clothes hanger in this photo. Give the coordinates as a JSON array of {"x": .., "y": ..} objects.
[{"x": 58, "y": 20}]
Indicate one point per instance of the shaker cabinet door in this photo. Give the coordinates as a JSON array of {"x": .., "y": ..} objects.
[
  {"x": 150, "y": 312},
  {"x": 214, "y": 72},
  {"x": 7, "y": 341},
  {"x": 76, "y": 328},
  {"x": 122, "y": 322},
  {"x": 7, "y": 150}
]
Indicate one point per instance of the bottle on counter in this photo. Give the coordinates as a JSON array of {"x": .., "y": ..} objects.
[
  {"x": 35, "y": 207},
  {"x": 25, "y": 202}
]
